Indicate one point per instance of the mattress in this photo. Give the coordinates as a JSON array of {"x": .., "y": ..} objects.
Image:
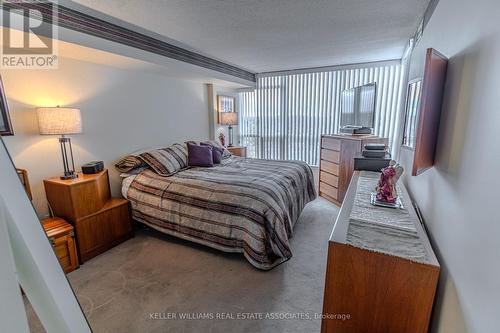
[{"x": 243, "y": 205}]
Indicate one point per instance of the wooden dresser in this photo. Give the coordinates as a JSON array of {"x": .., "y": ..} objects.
[
  {"x": 100, "y": 221},
  {"x": 375, "y": 292},
  {"x": 337, "y": 163}
]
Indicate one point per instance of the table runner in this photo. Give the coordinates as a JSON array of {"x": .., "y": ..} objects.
[{"x": 385, "y": 230}]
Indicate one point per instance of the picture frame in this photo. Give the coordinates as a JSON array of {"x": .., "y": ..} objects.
[
  {"x": 5, "y": 123},
  {"x": 225, "y": 103}
]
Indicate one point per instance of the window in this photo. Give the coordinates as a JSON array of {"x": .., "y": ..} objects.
[
  {"x": 412, "y": 104},
  {"x": 284, "y": 117}
]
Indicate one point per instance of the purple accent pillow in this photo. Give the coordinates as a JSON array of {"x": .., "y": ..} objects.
[
  {"x": 217, "y": 152},
  {"x": 200, "y": 155}
]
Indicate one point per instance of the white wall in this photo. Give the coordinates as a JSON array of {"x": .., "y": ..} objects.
[
  {"x": 123, "y": 109},
  {"x": 459, "y": 197}
]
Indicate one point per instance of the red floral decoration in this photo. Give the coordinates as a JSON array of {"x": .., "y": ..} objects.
[
  {"x": 222, "y": 139},
  {"x": 386, "y": 188}
]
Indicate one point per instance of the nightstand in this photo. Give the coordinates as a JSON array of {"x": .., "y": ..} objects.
[
  {"x": 238, "y": 150},
  {"x": 62, "y": 239},
  {"x": 100, "y": 221}
]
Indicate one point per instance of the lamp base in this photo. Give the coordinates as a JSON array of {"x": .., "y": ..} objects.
[
  {"x": 69, "y": 176},
  {"x": 230, "y": 129},
  {"x": 69, "y": 171}
]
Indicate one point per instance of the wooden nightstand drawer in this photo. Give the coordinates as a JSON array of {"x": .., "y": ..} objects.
[{"x": 61, "y": 237}]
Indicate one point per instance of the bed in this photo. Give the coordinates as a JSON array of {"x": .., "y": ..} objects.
[{"x": 243, "y": 205}]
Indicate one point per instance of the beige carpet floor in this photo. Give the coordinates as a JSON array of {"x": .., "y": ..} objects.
[{"x": 137, "y": 285}]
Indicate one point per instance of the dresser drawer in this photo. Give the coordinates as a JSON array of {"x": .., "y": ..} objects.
[
  {"x": 330, "y": 143},
  {"x": 330, "y": 167},
  {"x": 328, "y": 190},
  {"x": 330, "y": 155},
  {"x": 329, "y": 179}
]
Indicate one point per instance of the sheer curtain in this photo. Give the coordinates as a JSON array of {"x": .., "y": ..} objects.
[{"x": 285, "y": 115}]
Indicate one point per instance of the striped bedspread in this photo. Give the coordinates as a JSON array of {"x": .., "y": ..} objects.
[{"x": 243, "y": 205}]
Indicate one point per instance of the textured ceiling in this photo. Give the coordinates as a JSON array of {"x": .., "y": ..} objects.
[{"x": 271, "y": 35}]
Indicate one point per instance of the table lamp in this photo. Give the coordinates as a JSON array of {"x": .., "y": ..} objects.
[
  {"x": 230, "y": 119},
  {"x": 61, "y": 121}
]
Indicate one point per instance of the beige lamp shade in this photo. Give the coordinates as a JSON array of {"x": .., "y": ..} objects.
[
  {"x": 229, "y": 118},
  {"x": 59, "y": 120}
]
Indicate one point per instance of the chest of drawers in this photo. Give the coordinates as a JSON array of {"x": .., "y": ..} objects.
[{"x": 337, "y": 163}]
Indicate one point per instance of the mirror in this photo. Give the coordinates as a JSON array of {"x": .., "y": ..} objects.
[{"x": 411, "y": 115}]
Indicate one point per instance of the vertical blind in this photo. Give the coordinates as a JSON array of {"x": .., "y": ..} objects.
[{"x": 285, "y": 116}]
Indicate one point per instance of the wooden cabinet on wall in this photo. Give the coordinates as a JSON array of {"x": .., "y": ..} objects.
[
  {"x": 337, "y": 163},
  {"x": 100, "y": 221}
]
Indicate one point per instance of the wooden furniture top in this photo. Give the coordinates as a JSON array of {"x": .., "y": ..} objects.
[
  {"x": 339, "y": 232},
  {"x": 82, "y": 178},
  {"x": 55, "y": 226}
]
